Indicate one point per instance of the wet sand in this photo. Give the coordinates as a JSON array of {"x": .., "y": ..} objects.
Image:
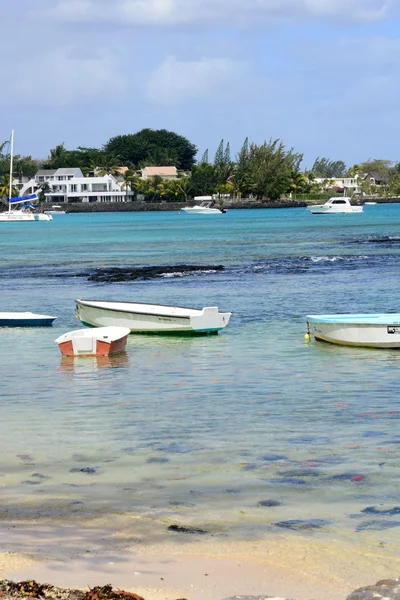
[{"x": 193, "y": 567}]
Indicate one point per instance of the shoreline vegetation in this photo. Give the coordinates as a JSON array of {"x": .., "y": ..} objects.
[{"x": 266, "y": 172}]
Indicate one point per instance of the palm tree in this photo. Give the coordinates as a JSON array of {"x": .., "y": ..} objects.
[
  {"x": 108, "y": 166},
  {"x": 5, "y": 187},
  {"x": 131, "y": 182},
  {"x": 45, "y": 188}
]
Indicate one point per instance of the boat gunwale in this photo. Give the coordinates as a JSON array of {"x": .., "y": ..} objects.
[
  {"x": 377, "y": 319},
  {"x": 85, "y": 303}
]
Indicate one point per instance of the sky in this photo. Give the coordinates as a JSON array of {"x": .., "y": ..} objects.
[{"x": 321, "y": 75}]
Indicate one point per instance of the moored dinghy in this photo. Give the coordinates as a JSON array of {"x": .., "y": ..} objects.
[
  {"x": 367, "y": 330},
  {"x": 25, "y": 319},
  {"x": 152, "y": 318},
  {"x": 101, "y": 341}
]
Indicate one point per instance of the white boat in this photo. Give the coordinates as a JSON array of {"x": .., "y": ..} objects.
[
  {"x": 335, "y": 205},
  {"x": 369, "y": 330},
  {"x": 25, "y": 319},
  {"x": 56, "y": 209},
  {"x": 101, "y": 341},
  {"x": 152, "y": 318},
  {"x": 26, "y": 213},
  {"x": 204, "y": 207}
]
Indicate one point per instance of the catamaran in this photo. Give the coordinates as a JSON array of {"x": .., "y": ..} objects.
[{"x": 27, "y": 212}]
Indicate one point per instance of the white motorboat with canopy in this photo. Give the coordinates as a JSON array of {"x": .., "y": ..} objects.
[
  {"x": 152, "y": 318},
  {"x": 335, "y": 205},
  {"x": 203, "y": 206}
]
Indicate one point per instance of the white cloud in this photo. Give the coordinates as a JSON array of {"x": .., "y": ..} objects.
[
  {"x": 355, "y": 10},
  {"x": 177, "y": 82},
  {"x": 166, "y": 13},
  {"x": 66, "y": 76}
]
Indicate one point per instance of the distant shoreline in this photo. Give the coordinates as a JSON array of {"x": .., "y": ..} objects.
[{"x": 176, "y": 207}]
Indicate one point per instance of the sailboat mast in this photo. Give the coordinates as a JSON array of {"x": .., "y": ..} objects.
[{"x": 11, "y": 168}]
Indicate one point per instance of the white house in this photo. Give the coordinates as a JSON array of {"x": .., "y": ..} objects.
[
  {"x": 70, "y": 185},
  {"x": 351, "y": 184}
]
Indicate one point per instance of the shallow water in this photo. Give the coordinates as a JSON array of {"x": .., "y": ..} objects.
[{"x": 241, "y": 433}]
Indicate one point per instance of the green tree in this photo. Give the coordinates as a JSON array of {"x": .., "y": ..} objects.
[
  {"x": 149, "y": 143},
  {"x": 203, "y": 181},
  {"x": 270, "y": 169},
  {"x": 323, "y": 167},
  {"x": 204, "y": 158}
]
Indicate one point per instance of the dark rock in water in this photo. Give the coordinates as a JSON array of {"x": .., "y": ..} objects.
[
  {"x": 117, "y": 274},
  {"x": 88, "y": 470},
  {"x": 249, "y": 466},
  {"x": 269, "y": 503},
  {"x": 377, "y": 525},
  {"x": 233, "y": 491},
  {"x": 372, "y": 510},
  {"x": 310, "y": 439},
  {"x": 300, "y": 473},
  {"x": 157, "y": 459},
  {"x": 287, "y": 481},
  {"x": 195, "y": 493},
  {"x": 30, "y": 482},
  {"x": 300, "y": 525},
  {"x": 273, "y": 457},
  {"x": 175, "y": 448},
  {"x": 180, "y": 503},
  {"x": 40, "y": 476},
  {"x": 374, "y": 434},
  {"x": 345, "y": 477},
  {"x": 386, "y": 589},
  {"x": 184, "y": 529}
]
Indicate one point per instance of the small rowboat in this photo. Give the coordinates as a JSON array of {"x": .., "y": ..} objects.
[
  {"x": 25, "y": 319},
  {"x": 367, "y": 330},
  {"x": 100, "y": 341},
  {"x": 152, "y": 318}
]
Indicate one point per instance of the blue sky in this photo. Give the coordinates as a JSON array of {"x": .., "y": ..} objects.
[{"x": 322, "y": 75}]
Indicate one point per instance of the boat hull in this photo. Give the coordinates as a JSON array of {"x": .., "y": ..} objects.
[
  {"x": 198, "y": 210},
  {"x": 25, "y": 320},
  {"x": 102, "y": 341},
  {"x": 331, "y": 210},
  {"x": 154, "y": 319},
  {"x": 368, "y": 331},
  {"x": 20, "y": 217}
]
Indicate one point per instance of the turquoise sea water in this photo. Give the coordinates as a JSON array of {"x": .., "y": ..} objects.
[{"x": 200, "y": 431}]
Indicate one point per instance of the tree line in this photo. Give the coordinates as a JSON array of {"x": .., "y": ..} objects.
[{"x": 264, "y": 171}]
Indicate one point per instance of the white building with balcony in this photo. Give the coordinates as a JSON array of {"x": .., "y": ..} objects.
[
  {"x": 70, "y": 185},
  {"x": 349, "y": 184}
]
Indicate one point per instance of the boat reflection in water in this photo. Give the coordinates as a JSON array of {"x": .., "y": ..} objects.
[{"x": 89, "y": 364}]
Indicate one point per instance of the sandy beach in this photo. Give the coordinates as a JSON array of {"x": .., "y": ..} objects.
[{"x": 287, "y": 566}]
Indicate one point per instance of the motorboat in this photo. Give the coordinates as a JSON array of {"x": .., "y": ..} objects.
[
  {"x": 100, "y": 341},
  {"x": 56, "y": 209},
  {"x": 25, "y": 319},
  {"x": 335, "y": 205},
  {"x": 203, "y": 207},
  {"x": 26, "y": 213},
  {"x": 152, "y": 318},
  {"x": 368, "y": 330}
]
